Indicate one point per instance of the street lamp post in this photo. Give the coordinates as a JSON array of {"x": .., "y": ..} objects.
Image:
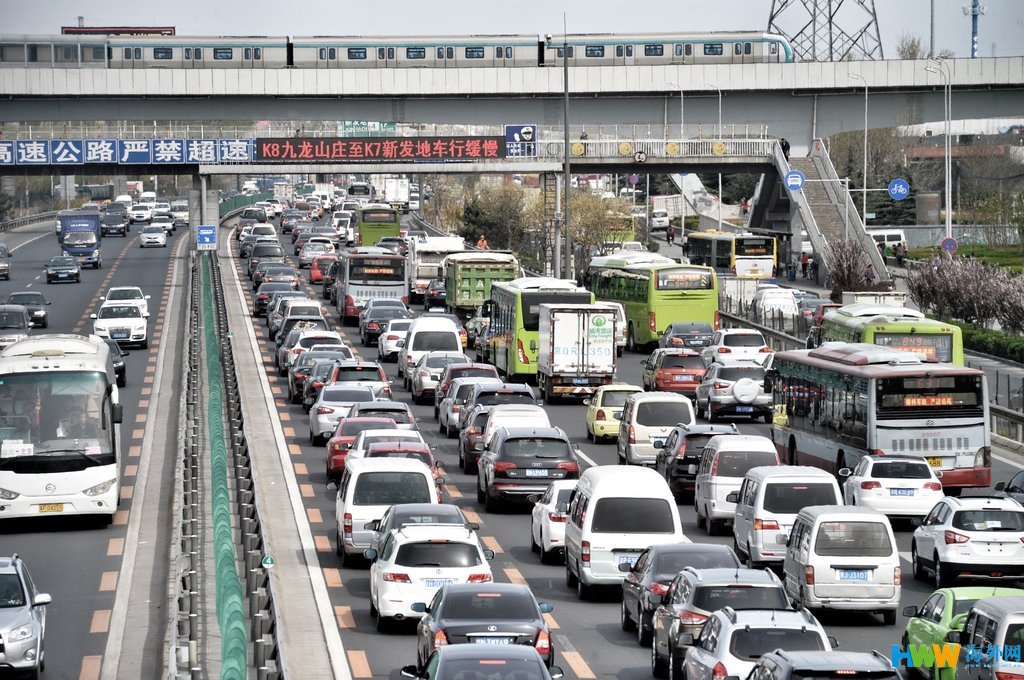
[
  {"x": 942, "y": 68},
  {"x": 567, "y": 171},
  {"x": 680, "y": 88},
  {"x": 864, "y": 190},
  {"x": 719, "y": 90}
]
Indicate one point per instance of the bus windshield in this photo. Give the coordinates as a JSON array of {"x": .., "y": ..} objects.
[{"x": 381, "y": 270}]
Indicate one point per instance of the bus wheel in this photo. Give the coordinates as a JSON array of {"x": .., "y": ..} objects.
[
  {"x": 792, "y": 451},
  {"x": 630, "y": 338},
  {"x": 840, "y": 462}
]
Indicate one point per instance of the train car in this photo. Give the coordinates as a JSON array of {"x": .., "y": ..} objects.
[
  {"x": 658, "y": 49},
  {"x": 485, "y": 51},
  {"x": 198, "y": 52},
  {"x": 60, "y": 51}
]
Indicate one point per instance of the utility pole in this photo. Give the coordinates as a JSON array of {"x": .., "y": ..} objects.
[
  {"x": 568, "y": 170},
  {"x": 974, "y": 11}
]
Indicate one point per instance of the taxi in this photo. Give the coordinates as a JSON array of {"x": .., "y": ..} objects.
[{"x": 604, "y": 408}]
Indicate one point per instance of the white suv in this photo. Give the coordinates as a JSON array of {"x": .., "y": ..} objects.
[
  {"x": 736, "y": 343},
  {"x": 415, "y": 561},
  {"x": 981, "y": 536}
]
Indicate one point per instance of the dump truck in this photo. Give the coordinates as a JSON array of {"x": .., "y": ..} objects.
[
  {"x": 468, "y": 277},
  {"x": 425, "y": 258}
]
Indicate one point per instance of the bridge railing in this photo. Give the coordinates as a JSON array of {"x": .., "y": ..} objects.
[{"x": 26, "y": 220}]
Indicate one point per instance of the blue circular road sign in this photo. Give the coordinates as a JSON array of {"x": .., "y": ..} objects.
[
  {"x": 795, "y": 180},
  {"x": 899, "y": 189},
  {"x": 949, "y": 245}
]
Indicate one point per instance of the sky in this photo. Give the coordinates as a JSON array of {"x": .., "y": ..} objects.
[{"x": 1001, "y": 29}]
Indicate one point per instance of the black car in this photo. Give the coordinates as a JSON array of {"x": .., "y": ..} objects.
[
  {"x": 687, "y": 334},
  {"x": 302, "y": 368},
  {"x": 1012, "y": 489},
  {"x": 372, "y": 324},
  {"x": 405, "y": 514},
  {"x": 260, "y": 270},
  {"x": 483, "y": 614},
  {"x": 36, "y": 305},
  {"x": 63, "y": 269},
  {"x": 265, "y": 251},
  {"x": 521, "y": 462},
  {"x": 117, "y": 356},
  {"x": 259, "y": 305},
  {"x": 114, "y": 223},
  {"x": 679, "y": 457},
  {"x": 652, "y": 573},
  {"x": 483, "y": 662},
  {"x": 435, "y": 295},
  {"x": 318, "y": 376}
]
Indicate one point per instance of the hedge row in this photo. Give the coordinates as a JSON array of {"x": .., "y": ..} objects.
[{"x": 992, "y": 342}]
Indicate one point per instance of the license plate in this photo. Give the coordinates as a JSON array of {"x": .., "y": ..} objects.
[
  {"x": 492, "y": 640},
  {"x": 120, "y": 336},
  {"x": 580, "y": 381},
  {"x": 935, "y": 461},
  {"x": 536, "y": 473},
  {"x": 684, "y": 378},
  {"x": 853, "y": 575},
  {"x": 437, "y": 582},
  {"x": 51, "y": 507},
  {"x": 695, "y": 342},
  {"x": 629, "y": 559},
  {"x": 63, "y": 276},
  {"x": 744, "y": 409},
  {"x": 901, "y": 492}
]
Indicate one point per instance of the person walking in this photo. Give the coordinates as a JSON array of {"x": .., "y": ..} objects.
[
  {"x": 670, "y": 235},
  {"x": 784, "y": 143},
  {"x": 901, "y": 254},
  {"x": 481, "y": 243},
  {"x": 805, "y": 261},
  {"x": 869, "y": 275}
]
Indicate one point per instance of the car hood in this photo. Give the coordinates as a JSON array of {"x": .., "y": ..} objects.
[{"x": 62, "y": 268}]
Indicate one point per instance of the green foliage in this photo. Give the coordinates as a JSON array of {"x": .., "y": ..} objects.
[
  {"x": 992, "y": 342},
  {"x": 6, "y": 207}
]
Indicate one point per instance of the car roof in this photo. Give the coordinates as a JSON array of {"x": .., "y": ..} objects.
[
  {"x": 16, "y": 308},
  {"x": 620, "y": 387},
  {"x": 385, "y": 405},
  {"x": 740, "y": 331},
  {"x": 433, "y": 508},
  {"x": 402, "y": 434},
  {"x": 988, "y": 502},
  {"x": 536, "y": 432},
  {"x": 894, "y": 459},
  {"x": 834, "y": 659},
  {"x": 679, "y": 351},
  {"x": 740, "y": 618},
  {"x": 708, "y": 428},
  {"x": 731, "y": 575}
]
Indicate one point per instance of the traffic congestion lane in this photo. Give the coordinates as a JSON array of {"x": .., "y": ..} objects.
[
  {"x": 589, "y": 639},
  {"x": 79, "y": 563}
]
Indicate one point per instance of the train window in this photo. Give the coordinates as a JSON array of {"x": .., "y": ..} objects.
[
  {"x": 198, "y": 53},
  {"x": 559, "y": 53},
  {"x": 618, "y": 50},
  {"x": 257, "y": 53},
  {"x": 449, "y": 53},
  {"x": 738, "y": 48},
  {"x": 594, "y": 51},
  {"x": 440, "y": 53},
  {"x": 323, "y": 53},
  {"x": 508, "y": 52},
  {"x": 223, "y": 53},
  {"x": 477, "y": 52},
  {"x": 357, "y": 53},
  {"x": 247, "y": 54},
  {"x": 497, "y": 52},
  {"x": 69, "y": 54},
  {"x": 391, "y": 53},
  {"x": 128, "y": 53},
  {"x": 689, "y": 50},
  {"x": 332, "y": 53},
  {"x": 679, "y": 50},
  {"x": 97, "y": 53},
  {"x": 747, "y": 48},
  {"x": 188, "y": 52},
  {"x": 713, "y": 49},
  {"x": 629, "y": 50},
  {"x": 380, "y": 52},
  {"x": 161, "y": 52},
  {"x": 415, "y": 53},
  {"x": 656, "y": 50},
  {"x": 137, "y": 52},
  {"x": 571, "y": 50},
  {"x": 773, "y": 48}
]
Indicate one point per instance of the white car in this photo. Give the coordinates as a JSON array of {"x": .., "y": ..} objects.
[
  {"x": 308, "y": 339},
  {"x": 736, "y": 343},
  {"x": 898, "y": 486},
  {"x": 415, "y": 561},
  {"x": 659, "y": 219},
  {"x": 427, "y": 373},
  {"x": 153, "y": 235},
  {"x": 387, "y": 341},
  {"x": 547, "y": 524},
  {"x": 981, "y": 536},
  {"x": 179, "y": 209},
  {"x": 122, "y": 322},
  {"x": 454, "y": 400},
  {"x": 366, "y": 437},
  {"x": 333, "y": 404},
  {"x": 132, "y": 294},
  {"x": 141, "y": 212}
]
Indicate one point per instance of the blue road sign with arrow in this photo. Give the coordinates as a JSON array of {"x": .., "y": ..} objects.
[{"x": 206, "y": 237}]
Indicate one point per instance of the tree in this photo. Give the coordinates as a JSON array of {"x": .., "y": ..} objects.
[
  {"x": 966, "y": 289},
  {"x": 499, "y": 213},
  {"x": 6, "y": 207},
  {"x": 910, "y": 47},
  {"x": 847, "y": 265}
]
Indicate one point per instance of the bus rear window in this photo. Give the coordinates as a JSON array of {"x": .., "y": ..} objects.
[
  {"x": 684, "y": 279},
  {"x": 751, "y": 247},
  {"x": 918, "y": 394}
]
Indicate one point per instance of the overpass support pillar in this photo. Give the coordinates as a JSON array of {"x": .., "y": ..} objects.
[{"x": 204, "y": 204}]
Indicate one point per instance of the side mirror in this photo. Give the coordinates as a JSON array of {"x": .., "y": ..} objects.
[
  {"x": 655, "y": 599},
  {"x": 147, "y": 297},
  {"x": 845, "y": 472},
  {"x": 617, "y": 415},
  {"x": 586, "y": 402},
  {"x": 955, "y": 636},
  {"x": 540, "y": 402},
  {"x": 439, "y": 465},
  {"x": 400, "y": 344},
  {"x": 117, "y": 413},
  {"x": 123, "y": 353},
  {"x": 545, "y": 607},
  {"x": 370, "y": 554},
  {"x": 441, "y": 481},
  {"x": 832, "y": 642},
  {"x": 917, "y": 522},
  {"x": 733, "y": 497},
  {"x": 910, "y": 612},
  {"x": 372, "y": 526},
  {"x": 472, "y": 526},
  {"x": 410, "y": 672},
  {"x": 1000, "y": 486},
  {"x": 684, "y": 639},
  {"x": 478, "y": 447},
  {"x": 92, "y": 316},
  {"x": 419, "y": 607},
  {"x": 625, "y": 567},
  {"x": 556, "y": 672},
  {"x": 782, "y": 539},
  {"x": 489, "y": 554},
  {"x": 48, "y": 302},
  {"x": 146, "y": 315},
  {"x": 533, "y": 498},
  {"x": 533, "y": 345},
  {"x": 938, "y": 475},
  {"x": 42, "y": 599}
]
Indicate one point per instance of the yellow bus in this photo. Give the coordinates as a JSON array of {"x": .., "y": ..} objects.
[{"x": 743, "y": 255}]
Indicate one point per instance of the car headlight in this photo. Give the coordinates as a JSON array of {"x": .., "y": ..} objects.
[
  {"x": 8, "y": 495},
  {"x": 100, "y": 488},
  {"x": 21, "y": 633}
]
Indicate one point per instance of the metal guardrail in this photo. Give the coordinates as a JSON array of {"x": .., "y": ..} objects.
[{"x": 27, "y": 219}]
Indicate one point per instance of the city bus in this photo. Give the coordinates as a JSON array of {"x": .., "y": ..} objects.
[
  {"x": 656, "y": 295},
  {"x": 360, "y": 191},
  {"x": 60, "y": 437},
  {"x": 842, "y": 401},
  {"x": 742, "y": 255},
  {"x": 514, "y": 310},
  {"x": 897, "y": 328},
  {"x": 621, "y": 228},
  {"x": 377, "y": 220},
  {"x": 620, "y": 260},
  {"x": 368, "y": 274}
]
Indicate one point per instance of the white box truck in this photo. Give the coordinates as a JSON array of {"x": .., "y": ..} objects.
[
  {"x": 425, "y": 258},
  {"x": 396, "y": 193},
  {"x": 575, "y": 349},
  {"x": 893, "y": 298}
]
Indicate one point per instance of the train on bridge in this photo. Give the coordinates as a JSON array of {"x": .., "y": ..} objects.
[{"x": 368, "y": 52}]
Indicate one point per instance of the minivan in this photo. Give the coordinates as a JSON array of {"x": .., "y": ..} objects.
[
  {"x": 993, "y": 622},
  {"x": 615, "y": 513},
  {"x": 767, "y": 504},
  {"x": 647, "y": 419},
  {"x": 369, "y": 486},
  {"x": 723, "y": 464},
  {"x": 843, "y": 557},
  {"x": 425, "y": 335}
]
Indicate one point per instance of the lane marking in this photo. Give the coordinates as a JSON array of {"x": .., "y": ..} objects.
[
  {"x": 492, "y": 543},
  {"x": 141, "y": 417},
  {"x": 120, "y": 518},
  {"x": 295, "y": 449},
  {"x": 344, "y": 617},
  {"x": 322, "y": 543},
  {"x": 453, "y": 491},
  {"x": 131, "y": 470},
  {"x": 578, "y": 665},
  {"x": 126, "y": 491},
  {"x": 307, "y": 490},
  {"x": 100, "y": 621},
  {"x": 90, "y": 668},
  {"x": 359, "y": 663},
  {"x": 332, "y": 576},
  {"x": 143, "y": 403},
  {"x": 289, "y": 431},
  {"x": 134, "y": 451},
  {"x": 515, "y": 576},
  {"x": 115, "y": 546},
  {"x": 108, "y": 581},
  {"x": 138, "y": 433},
  {"x": 300, "y": 469},
  {"x": 550, "y": 620},
  {"x": 286, "y": 417},
  {"x": 472, "y": 516},
  {"x": 314, "y": 516}
]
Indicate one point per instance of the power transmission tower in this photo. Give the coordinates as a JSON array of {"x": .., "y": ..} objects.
[{"x": 828, "y": 30}]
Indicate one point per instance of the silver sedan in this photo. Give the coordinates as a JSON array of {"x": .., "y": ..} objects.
[{"x": 333, "y": 404}]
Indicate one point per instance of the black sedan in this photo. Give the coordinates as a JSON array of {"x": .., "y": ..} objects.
[
  {"x": 36, "y": 305},
  {"x": 435, "y": 295},
  {"x": 372, "y": 324},
  {"x": 263, "y": 293},
  {"x": 117, "y": 356},
  {"x": 479, "y": 661},
  {"x": 652, "y": 573},
  {"x": 521, "y": 462},
  {"x": 63, "y": 268},
  {"x": 692, "y": 334},
  {"x": 483, "y": 614}
]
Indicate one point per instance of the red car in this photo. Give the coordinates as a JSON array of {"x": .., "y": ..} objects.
[
  {"x": 674, "y": 370},
  {"x": 348, "y": 429},
  {"x": 319, "y": 267}
]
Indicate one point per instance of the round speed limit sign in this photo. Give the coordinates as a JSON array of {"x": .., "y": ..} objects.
[{"x": 640, "y": 157}]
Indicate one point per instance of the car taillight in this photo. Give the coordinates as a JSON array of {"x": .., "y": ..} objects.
[
  {"x": 479, "y": 578},
  {"x": 397, "y": 577},
  {"x": 440, "y": 638},
  {"x": 983, "y": 458},
  {"x": 955, "y": 537},
  {"x": 473, "y": 430},
  {"x": 766, "y": 525},
  {"x": 543, "y": 643},
  {"x": 262, "y": 296},
  {"x": 391, "y": 337},
  {"x": 719, "y": 673},
  {"x": 424, "y": 374},
  {"x": 867, "y": 486},
  {"x": 897, "y": 576},
  {"x": 676, "y": 341},
  {"x": 1004, "y": 675},
  {"x": 688, "y": 618},
  {"x": 652, "y": 322},
  {"x": 933, "y": 486},
  {"x": 522, "y": 352},
  {"x": 601, "y": 415},
  {"x": 346, "y": 524},
  {"x": 714, "y": 466},
  {"x": 317, "y": 384},
  {"x": 456, "y": 408},
  {"x": 569, "y": 466},
  {"x": 659, "y": 589},
  {"x": 765, "y": 350},
  {"x": 632, "y": 435},
  {"x": 721, "y": 385},
  {"x": 585, "y": 551},
  {"x": 877, "y": 452},
  {"x": 297, "y": 350},
  {"x": 809, "y": 575},
  {"x": 323, "y": 410},
  {"x": 504, "y": 466},
  {"x": 299, "y": 375},
  {"x": 724, "y": 350},
  {"x": 556, "y": 517},
  {"x": 373, "y": 325}
]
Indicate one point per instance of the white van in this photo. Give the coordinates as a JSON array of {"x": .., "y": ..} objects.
[
  {"x": 368, "y": 487},
  {"x": 767, "y": 504},
  {"x": 843, "y": 557},
  {"x": 148, "y": 197},
  {"x": 647, "y": 420},
  {"x": 723, "y": 464},
  {"x": 425, "y": 335},
  {"x": 993, "y": 622},
  {"x": 615, "y": 513},
  {"x": 513, "y": 415},
  {"x": 889, "y": 237}
]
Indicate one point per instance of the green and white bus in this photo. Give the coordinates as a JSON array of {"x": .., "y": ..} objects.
[
  {"x": 896, "y": 328},
  {"x": 656, "y": 295},
  {"x": 377, "y": 220},
  {"x": 514, "y": 310}
]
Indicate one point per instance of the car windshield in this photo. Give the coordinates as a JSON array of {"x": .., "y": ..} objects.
[
  {"x": 350, "y": 395},
  {"x": 442, "y": 361},
  {"x": 314, "y": 247},
  {"x": 62, "y": 262},
  {"x": 480, "y": 372},
  {"x": 26, "y": 299},
  {"x": 280, "y": 271},
  {"x": 853, "y": 539},
  {"x": 152, "y": 230},
  {"x": 354, "y": 373},
  {"x": 12, "y": 320},
  {"x": 354, "y": 427},
  {"x": 740, "y": 596},
  {"x": 743, "y": 340},
  {"x": 901, "y": 470},
  {"x": 751, "y": 643},
  {"x": 536, "y": 447},
  {"x": 401, "y": 417},
  {"x": 442, "y": 554},
  {"x": 120, "y": 312},
  {"x": 633, "y": 516},
  {"x": 786, "y": 498},
  {"x": 485, "y": 606},
  {"x": 678, "y": 361},
  {"x": 436, "y": 341},
  {"x": 663, "y": 413},
  {"x": 671, "y": 563},
  {"x": 421, "y": 456},
  {"x": 691, "y": 329},
  {"x": 734, "y": 373},
  {"x": 505, "y": 397},
  {"x": 989, "y": 520},
  {"x": 11, "y": 592},
  {"x": 124, "y": 294},
  {"x": 308, "y": 342},
  {"x": 79, "y": 237},
  {"x": 485, "y": 668},
  {"x": 390, "y": 487}
]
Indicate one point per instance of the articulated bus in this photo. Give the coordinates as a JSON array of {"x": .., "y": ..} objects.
[
  {"x": 656, "y": 295},
  {"x": 367, "y": 274},
  {"x": 896, "y": 328},
  {"x": 842, "y": 401},
  {"x": 377, "y": 220},
  {"x": 514, "y": 310},
  {"x": 60, "y": 439},
  {"x": 742, "y": 255}
]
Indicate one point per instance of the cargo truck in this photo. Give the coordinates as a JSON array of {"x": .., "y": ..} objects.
[
  {"x": 396, "y": 193},
  {"x": 575, "y": 349},
  {"x": 468, "y": 277},
  {"x": 80, "y": 237},
  {"x": 425, "y": 259},
  {"x": 892, "y": 298}
]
